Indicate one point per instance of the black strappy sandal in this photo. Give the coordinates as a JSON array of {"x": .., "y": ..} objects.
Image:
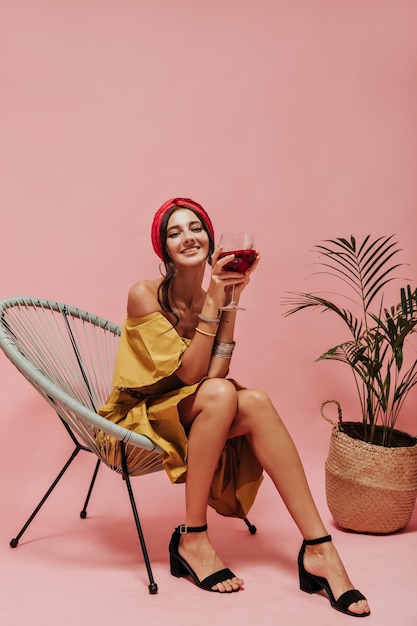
[
  {"x": 180, "y": 567},
  {"x": 313, "y": 584}
]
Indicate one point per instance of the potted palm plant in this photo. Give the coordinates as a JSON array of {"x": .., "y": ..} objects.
[{"x": 371, "y": 469}]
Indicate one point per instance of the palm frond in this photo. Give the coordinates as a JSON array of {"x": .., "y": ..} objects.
[
  {"x": 375, "y": 354},
  {"x": 300, "y": 300},
  {"x": 366, "y": 268}
]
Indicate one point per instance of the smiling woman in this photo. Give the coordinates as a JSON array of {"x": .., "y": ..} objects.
[
  {"x": 191, "y": 238},
  {"x": 171, "y": 384}
]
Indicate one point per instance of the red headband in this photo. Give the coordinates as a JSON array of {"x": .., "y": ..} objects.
[{"x": 186, "y": 203}]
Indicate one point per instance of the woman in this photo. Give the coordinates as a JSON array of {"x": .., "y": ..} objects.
[{"x": 171, "y": 384}]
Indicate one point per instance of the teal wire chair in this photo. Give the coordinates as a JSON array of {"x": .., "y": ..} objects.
[{"x": 68, "y": 355}]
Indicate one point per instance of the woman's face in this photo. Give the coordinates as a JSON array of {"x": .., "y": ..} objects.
[{"x": 187, "y": 242}]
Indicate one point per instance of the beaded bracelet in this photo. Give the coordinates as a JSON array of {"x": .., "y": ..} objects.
[
  {"x": 223, "y": 350},
  {"x": 203, "y": 332},
  {"x": 209, "y": 320}
]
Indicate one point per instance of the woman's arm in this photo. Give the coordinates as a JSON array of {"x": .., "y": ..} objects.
[
  {"x": 206, "y": 356},
  {"x": 196, "y": 360},
  {"x": 224, "y": 343}
]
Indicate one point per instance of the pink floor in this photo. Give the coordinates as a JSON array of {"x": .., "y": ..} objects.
[{"x": 72, "y": 571}]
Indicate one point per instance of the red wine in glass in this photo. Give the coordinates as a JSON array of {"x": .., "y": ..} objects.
[
  {"x": 241, "y": 245},
  {"x": 244, "y": 259}
]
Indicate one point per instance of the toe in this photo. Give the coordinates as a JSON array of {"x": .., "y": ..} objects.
[
  {"x": 360, "y": 608},
  {"x": 229, "y": 585}
]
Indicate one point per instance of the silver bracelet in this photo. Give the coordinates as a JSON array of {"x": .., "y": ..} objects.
[
  {"x": 209, "y": 320},
  {"x": 223, "y": 350}
]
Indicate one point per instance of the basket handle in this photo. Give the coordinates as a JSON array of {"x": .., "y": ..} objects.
[{"x": 339, "y": 411}]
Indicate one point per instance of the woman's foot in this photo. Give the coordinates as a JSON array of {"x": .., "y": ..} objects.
[
  {"x": 323, "y": 560},
  {"x": 200, "y": 554}
]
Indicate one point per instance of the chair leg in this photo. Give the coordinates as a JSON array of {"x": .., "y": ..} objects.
[
  {"x": 252, "y": 528},
  {"x": 153, "y": 587},
  {"x": 83, "y": 513},
  {"x": 14, "y": 542}
]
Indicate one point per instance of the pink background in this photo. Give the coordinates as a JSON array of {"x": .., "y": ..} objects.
[{"x": 294, "y": 119}]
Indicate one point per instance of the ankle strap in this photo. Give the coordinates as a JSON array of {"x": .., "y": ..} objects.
[
  {"x": 314, "y": 542},
  {"x": 184, "y": 529}
]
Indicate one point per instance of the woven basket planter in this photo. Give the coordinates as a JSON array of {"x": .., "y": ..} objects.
[{"x": 370, "y": 488}]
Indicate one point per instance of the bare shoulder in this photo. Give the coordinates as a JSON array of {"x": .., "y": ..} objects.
[{"x": 143, "y": 298}]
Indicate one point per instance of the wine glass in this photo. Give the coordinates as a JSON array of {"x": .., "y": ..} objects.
[{"x": 241, "y": 245}]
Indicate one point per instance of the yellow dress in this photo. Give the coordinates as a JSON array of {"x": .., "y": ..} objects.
[{"x": 149, "y": 354}]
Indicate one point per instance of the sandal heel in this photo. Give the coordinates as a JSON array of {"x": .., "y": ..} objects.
[
  {"x": 177, "y": 568},
  {"x": 308, "y": 583}
]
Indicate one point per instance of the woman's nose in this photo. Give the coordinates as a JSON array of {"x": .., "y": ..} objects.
[{"x": 189, "y": 236}]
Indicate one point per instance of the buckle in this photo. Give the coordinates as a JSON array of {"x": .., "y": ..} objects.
[{"x": 183, "y": 529}]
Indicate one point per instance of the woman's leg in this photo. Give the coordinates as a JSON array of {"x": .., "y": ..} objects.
[
  {"x": 278, "y": 455},
  {"x": 276, "y": 452},
  {"x": 208, "y": 416}
]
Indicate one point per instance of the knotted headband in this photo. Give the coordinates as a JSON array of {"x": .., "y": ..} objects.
[{"x": 185, "y": 203}]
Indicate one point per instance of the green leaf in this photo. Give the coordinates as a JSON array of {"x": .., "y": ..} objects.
[{"x": 379, "y": 334}]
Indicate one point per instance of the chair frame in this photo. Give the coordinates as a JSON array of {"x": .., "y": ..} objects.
[
  {"x": 57, "y": 398},
  {"x": 71, "y": 411}
]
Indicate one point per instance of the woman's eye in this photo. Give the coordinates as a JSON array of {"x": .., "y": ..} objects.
[
  {"x": 197, "y": 229},
  {"x": 172, "y": 235}
]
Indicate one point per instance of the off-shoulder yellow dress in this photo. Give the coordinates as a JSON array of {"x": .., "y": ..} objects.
[{"x": 149, "y": 354}]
